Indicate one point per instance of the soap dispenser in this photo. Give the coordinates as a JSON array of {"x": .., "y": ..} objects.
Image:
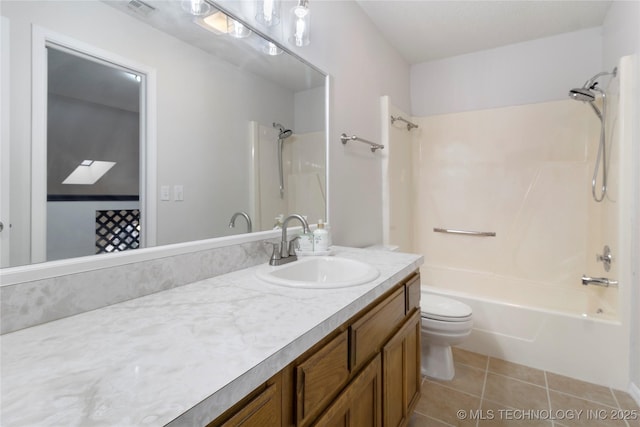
[
  {"x": 320, "y": 238},
  {"x": 305, "y": 241}
]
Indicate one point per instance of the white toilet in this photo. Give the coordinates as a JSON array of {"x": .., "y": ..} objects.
[{"x": 445, "y": 322}]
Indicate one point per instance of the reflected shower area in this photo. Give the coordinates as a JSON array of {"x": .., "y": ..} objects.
[{"x": 289, "y": 171}]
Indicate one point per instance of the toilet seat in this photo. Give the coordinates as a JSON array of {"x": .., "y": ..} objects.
[{"x": 436, "y": 307}]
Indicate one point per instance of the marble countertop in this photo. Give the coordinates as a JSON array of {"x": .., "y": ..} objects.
[{"x": 179, "y": 357}]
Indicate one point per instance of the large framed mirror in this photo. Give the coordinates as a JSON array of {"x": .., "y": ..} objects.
[{"x": 193, "y": 128}]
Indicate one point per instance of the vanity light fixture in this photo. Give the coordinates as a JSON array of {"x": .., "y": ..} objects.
[
  {"x": 268, "y": 12},
  {"x": 216, "y": 22},
  {"x": 88, "y": 172},
  {"x": 196, "y": 7},
  {"x": 219, "y": 23},
  {"x": 300, "y": 24}
]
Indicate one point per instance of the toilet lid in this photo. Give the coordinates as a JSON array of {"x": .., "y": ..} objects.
[{"x": 437, "y": 307}]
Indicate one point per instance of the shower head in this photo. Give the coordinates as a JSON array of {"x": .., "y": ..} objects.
[
  {"x": 582, "y": 94},
  {"x": 284, "y": 133},
  {"x": 586, "y": 92}
]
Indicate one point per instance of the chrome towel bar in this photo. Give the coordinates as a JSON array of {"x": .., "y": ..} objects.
[
  {"x": 344, "y": 138},
  {"x": 402, "y": 119},
  {"x": 466, "y": 233}
]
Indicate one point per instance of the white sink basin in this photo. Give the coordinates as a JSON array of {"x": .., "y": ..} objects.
[{"x": 319, "y": 273}]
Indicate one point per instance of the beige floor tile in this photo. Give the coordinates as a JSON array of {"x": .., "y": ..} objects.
[
  {"x": 469, "y": 358},
  {"x": 581, "y": 389},
  {"x": 515, "y": 393},
  {"x": 514, "y": 370},
  {"x": 634, "y": 420},
  {"x": 467, "y": 379},
  {"x": 581, "y": 412},
  {"x": 443, "y": 403},
  {"x": 500, "y": 415},
  {"x": 625, "y": 400},
  {"x": 418, "y": 420}
]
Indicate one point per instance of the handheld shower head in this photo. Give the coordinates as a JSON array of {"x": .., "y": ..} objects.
[
  {"x": 582, "y": 94},
  {"x": 284, "y": 133},
  {"x": 587, "y": 93}
]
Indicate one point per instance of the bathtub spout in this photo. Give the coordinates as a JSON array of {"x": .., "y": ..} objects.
[{"x": 599, "y": 281}]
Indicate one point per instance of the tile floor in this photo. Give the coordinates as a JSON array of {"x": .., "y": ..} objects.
[{"x": 492, "y": 392}]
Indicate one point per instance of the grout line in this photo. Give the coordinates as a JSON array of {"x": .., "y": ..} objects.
[
  {"x": 484, "y": 385},
  {"x": 615, "y": 398},
  {"x": 583, "y": 398},
  {"x": 520, "y": 380},
  {"x": 546, "y": 386}
]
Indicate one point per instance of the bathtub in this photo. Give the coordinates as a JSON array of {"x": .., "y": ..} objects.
[{"x": 569, "y": 330}]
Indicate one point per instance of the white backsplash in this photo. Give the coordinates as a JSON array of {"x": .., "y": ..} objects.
[{"x": 31, "y": 303}]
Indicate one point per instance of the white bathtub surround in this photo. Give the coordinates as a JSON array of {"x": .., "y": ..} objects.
[
  {"x": 524, "y": 172},
  {"x": 634, "y": 391},
  {"x": 179, "y": 357}
]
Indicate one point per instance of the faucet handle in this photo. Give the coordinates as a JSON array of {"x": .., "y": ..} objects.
[
  {"x": 275, "y": 254},
  {"x": 293, "y": 245}
]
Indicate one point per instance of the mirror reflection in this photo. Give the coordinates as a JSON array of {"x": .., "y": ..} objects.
[{"x": 190, "y": 125}]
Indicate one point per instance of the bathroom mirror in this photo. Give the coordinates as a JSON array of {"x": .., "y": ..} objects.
[{"x": 227, "y": 124}]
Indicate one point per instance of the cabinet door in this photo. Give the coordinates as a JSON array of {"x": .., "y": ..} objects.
[
  {"x": 320, "y": 378},
  {"x": 360, "y": 403},
  {"x": 401, "y": 373},
  {"x": 262, "y": 411}
]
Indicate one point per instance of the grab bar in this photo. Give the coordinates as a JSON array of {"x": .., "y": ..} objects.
[
  {"x": 344, "y": 138},
  {"x": 465, "y": 232},
  {"x": 402, "y": 119}
]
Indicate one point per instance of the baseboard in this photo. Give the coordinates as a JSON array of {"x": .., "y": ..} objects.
[{"x": 634, "y": 391}]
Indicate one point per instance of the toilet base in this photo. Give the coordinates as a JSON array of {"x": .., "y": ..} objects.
[{"x": 437, "y": 362}]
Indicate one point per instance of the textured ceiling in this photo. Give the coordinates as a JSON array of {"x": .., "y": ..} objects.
[{"x": 424, "y": 30}]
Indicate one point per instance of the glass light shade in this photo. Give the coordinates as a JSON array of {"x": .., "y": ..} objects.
[
  {"x": 196, "y": 7},
  {"x": 236, "y": 29},
  {"x": 270, "y": 48},
  {"x": 268, "y": 12},
  {"x": 300, "y": 24},
  {"x": 216, "y": 23}
]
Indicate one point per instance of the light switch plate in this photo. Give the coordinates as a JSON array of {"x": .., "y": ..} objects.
[
  {"x": 164, "y": 193},
  {"x": 178, "y": 193}
]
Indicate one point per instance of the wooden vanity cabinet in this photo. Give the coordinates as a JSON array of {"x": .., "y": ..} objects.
[
  {"x": 262, "y": 408},
  {"x": 365, "y": 373},
  {"x": 360, "y": 403},
  {"x": 401, "y": 366}
]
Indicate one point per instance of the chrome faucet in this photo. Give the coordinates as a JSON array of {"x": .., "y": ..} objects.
[
  {"x": 245, "y": 215},
  {"x": 286, "y": 252},
  {"x": 600, "y": 281}
]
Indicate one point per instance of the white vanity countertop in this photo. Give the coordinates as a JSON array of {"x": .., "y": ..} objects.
[{"x": 179, "y": 357}]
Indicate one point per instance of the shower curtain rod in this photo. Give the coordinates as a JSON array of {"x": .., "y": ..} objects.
[{"x": 402, "y": 119}]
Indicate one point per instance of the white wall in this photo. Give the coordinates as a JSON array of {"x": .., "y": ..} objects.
[
  {"x": 621, "y": 36},
  {"x": 309, "y": 112},
  {"x": 363, "y": 67},
  {"x": 524, "y": 73}
]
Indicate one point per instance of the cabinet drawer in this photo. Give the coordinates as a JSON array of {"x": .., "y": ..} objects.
[
  {"x": 413, "y": 293},
  {"x": 320, "y": 378},
  {"x": 369, "y": 333}
]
